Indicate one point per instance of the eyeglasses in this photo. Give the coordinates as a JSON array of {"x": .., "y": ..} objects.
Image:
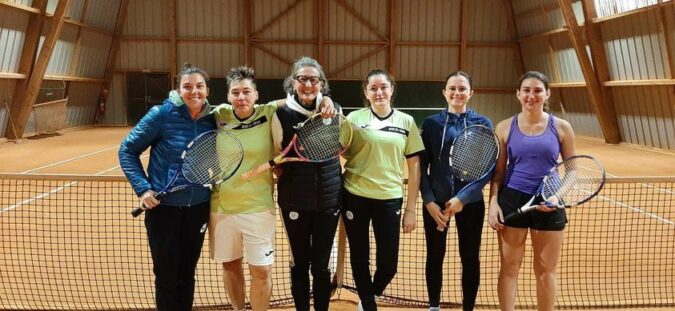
[
  {"x": 312, "y": 80},
  {"x": 457, "y": 90}
]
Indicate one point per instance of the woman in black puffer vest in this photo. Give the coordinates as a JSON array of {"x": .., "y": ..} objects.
[{"x": 308, "y": 193}]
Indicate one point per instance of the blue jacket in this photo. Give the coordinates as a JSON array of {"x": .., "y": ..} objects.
[
  {"x": 437, "y": 182},
  {"x": 167, "y": 128}
]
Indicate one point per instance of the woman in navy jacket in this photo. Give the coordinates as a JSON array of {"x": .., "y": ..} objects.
[
  {"x": 442, "y": 196},
  {"x": 176, "y": 224}
]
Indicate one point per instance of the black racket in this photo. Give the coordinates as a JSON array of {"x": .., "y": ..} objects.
[
  {"x": 473, "y": 155},
  {"x": 570, "y": 183},
  {"x": 316, "y": 140},
  {"x": 207, "y": 161}
]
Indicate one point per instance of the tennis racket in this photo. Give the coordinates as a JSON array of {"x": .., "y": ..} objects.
[
  {"x": 570, "y": 183},
  {"x": 207, "y": 161},
  {"x": 316, "y": 140},
  {"x": 473, "y": 155}
]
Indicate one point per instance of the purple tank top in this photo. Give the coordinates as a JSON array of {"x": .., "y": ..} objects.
[{"x": 530, "y": 157}]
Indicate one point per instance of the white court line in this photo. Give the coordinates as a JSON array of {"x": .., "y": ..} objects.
[
  {"x": 635, "y": 209},
  {"x": 69, "y": 160},
  {"x": 46, "y": 194}
]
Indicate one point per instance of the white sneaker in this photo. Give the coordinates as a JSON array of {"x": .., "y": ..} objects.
[
  {"x": 434, "y": 308},
  {"x": 359, "y": 307}
]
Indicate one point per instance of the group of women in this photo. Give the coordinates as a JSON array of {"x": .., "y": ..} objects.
[{"x": 240, "y": 214}]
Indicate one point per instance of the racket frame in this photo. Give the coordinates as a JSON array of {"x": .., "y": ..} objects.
[
  {"x": 487, "y": 172},
  {"x": 171, "y": 187},
  {"x": 528, "y": 207},
  {"x": 281, "y": 158}
]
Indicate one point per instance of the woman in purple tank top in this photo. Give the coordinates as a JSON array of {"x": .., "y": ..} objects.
[{"x": 531, "y": 142}]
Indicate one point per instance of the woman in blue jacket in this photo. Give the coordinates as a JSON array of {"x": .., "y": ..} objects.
[
  {"x": 442, "y": 196},
  {"x": 176, "y": 224}
]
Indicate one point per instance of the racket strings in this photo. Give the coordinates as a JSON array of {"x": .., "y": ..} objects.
[
  {"x": 574, "y": 182},
  {"x": 212, "y": 158},
  {"x": 473, "y": 153},
  {"x": 320, "y": 140}
]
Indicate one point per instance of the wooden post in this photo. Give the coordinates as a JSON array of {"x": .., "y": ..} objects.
[
  {"x": 173, "y": 45},
  {"x": 320, "y": 26},
  {"x": 600, "y": 97},
  {"x": 513, "y": 31},
  {"x": 392, "y": 37},
  {"x": 248, "y": 33},
  {"x": 23, "y": 103},
  {"x": 31, "y": 42},
  {"x": 112, "y": 57},
  {"x": 463, "y": 34}
]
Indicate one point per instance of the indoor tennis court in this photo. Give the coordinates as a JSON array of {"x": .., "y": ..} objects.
[{"x": 69, "y": 242}]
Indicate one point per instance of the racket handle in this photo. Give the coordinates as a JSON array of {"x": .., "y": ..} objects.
[
  {"x": 257, "y": 171},
  {"x": 137, "y": 211},
  {"x": 512, "y": 216}
]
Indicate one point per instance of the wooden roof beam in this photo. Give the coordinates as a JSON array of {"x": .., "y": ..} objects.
[
  {"x": 276, "y": 18},
  {"x": 362, "y": 19},
  {"x": 601, "y": 99},
  {"x": 30, "y": 47}
]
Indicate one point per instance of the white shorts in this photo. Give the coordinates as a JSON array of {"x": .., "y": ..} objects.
[{"x": 229, "y": 234}]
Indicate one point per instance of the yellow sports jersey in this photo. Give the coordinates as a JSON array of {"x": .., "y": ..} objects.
[
  {"x": 235, "y": 195},
  {"x": 375, "y": 159}
]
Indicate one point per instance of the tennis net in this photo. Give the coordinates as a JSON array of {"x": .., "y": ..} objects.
[{"x": 68, "y": 242}]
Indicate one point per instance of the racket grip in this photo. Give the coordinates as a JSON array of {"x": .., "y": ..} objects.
[
  {"x": 257, "y": 171},
  {"x": 136, "y": 211},
  {"x": 512, "y": 216}
]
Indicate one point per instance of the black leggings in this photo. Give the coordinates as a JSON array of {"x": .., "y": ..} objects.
[
  {"x": 469, "y": 227},
  {"x": 176, "y": 235},
  {"x": 357, "y": 213},
  {"x": 311, "y": 236}
]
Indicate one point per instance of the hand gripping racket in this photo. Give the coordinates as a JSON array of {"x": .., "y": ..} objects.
[
  {"x": 570, "y": 183},
  {"x": 207, "y": 161},
  {"x": 473, "y": 155},
  {"x": 316, "y": 140}
]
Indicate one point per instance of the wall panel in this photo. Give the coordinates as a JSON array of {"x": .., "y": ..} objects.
[
  {"x": 13, "y": 26},
  {"x": 634, "y": 47},
  {"x": 93, "y": 55},
  {"x": 59, "y": 63},
  {"x": 82, "y": 102},
  {"x": 646, "y": 115}
]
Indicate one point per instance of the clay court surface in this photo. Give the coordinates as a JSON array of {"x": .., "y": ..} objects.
[{"x": 93, "y": 151}]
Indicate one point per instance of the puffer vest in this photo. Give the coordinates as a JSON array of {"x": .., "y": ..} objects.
[{"x": 306, "y": 186}]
